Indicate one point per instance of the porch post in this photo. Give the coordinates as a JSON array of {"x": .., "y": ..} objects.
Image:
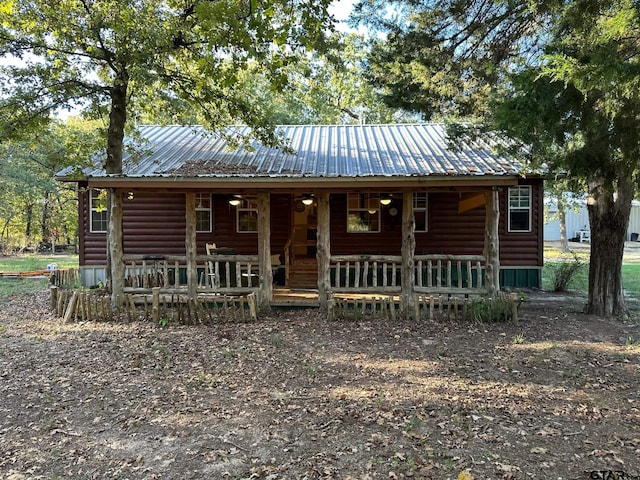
[
  {"x": 492, "y": 243},
  {"x": 407, "y": 272},
  {"x": 116, "y": 252},
  {"x": 265, "y": 291},
  {"x": 191, "y": 246},
  {"x": 323, "y": 252}
]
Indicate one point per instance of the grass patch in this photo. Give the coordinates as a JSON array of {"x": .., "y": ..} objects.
[
  {"x": 28, "y": 263},
  {"x": 33, "y": 261},
  {"x": 580, "y": 280},
  {"x": 19, "y": 286},
  {"x": 631, "y": 279}
]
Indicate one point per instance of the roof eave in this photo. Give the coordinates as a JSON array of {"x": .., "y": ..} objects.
[{"x": 225, "y": 183}]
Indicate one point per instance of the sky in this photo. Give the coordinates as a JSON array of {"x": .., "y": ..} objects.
[{"x": 340, "y": 9}]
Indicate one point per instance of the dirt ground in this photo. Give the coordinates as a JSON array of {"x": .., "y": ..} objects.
[{"x": 294, "y": 396}]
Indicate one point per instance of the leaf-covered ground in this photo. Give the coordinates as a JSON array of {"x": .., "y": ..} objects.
[{"x": 294, "y": 396}]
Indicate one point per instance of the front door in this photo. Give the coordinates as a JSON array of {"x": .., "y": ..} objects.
[{"x": 304, "y": 266}]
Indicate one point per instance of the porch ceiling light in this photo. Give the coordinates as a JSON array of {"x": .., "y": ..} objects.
[
  {"x": 235, "y": 201},
  {"x": 307, "y": 200},
  {"x": 385, "y": 200}
]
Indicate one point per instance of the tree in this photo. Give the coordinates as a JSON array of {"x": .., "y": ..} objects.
[
  {"x": 561, "y": 77},
  {"x": 444, "y": 58},
  {"x": 35, "y": 209},
  {"x": 326, "y": 87},
  {"x": 584, "y": 93},
  {"x": 108, "y": 56}
]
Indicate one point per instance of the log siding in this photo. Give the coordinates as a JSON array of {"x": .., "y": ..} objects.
[{"x": 154, "y": 224}]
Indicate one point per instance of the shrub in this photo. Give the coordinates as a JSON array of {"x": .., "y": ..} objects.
[
  {"x": 564, "y": 272},
  {"x": 501, "y": 309}
]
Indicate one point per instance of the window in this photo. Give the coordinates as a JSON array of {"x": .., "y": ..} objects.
[
  {"x": 203, "y": 212},
  {"x": 363, "y": 213},
  {"x": 520, "y": 209},
  {"x": 99, "y": 215},
  {"x": 420, "y": 212},
  {"x": 247, "y": 215}
]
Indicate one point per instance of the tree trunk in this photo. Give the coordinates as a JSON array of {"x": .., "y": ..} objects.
[
  {"x": 492, "y": 243},
  {"x": 117, "y": 121},
  {"x": 608, "y": 220},
  {"x": 29, "y": 218},
  {"x": 44, "y": 223},
  {"x": 562, "y": 221},
  {"x": 113, "y": 165}
]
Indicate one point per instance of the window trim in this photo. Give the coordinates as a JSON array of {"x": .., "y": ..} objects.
[
  {"x": 368, "y": 197},
  {"x": 94, "y": 210},
  {"x": 511, "y": 209},
  {"x": 199, "y": 197},
  {"x": 421, "y": 209},
  {"x": 245, "y": 202}
]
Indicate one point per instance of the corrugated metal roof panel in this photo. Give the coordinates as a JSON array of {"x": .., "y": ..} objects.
[{"x": 319, "y": 151}]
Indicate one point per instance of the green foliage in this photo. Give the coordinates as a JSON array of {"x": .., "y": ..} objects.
[
  {"x": 124, "y": 59},
  {"x": 34, "y": 208},
  {"x": 564, "y": 272},
  {"x": 444, "y": 59},
  {"x": 500, "y": 309},
  {"x": 325, "y": 88}
]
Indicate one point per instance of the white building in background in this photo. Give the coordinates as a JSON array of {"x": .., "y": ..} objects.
[{"x": 577, "y": 220}]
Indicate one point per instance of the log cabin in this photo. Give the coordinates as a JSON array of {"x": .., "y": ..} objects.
[{"x": 394, "y": 209}]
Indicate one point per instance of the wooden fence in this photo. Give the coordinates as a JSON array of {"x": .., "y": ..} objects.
[
  {"x": 94, "y": 305},
  {"x": 65, "y": 277},
  {"x": 426, "y": 307}
]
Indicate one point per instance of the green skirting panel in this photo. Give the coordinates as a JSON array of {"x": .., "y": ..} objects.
[{"x": 530, "y": 277}]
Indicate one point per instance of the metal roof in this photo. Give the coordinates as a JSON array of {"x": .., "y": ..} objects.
[{"x": 319, "y": 151}]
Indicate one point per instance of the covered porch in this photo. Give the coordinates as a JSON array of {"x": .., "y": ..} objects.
[{"x": 401, "y": 276}]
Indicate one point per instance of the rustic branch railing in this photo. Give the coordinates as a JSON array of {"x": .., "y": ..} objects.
[
  {"x": 365, "y": 273},
  {"x": 216, "y": 273},
  {"x": 441, "y": 274},
  {"x": 450, "y": 274}
]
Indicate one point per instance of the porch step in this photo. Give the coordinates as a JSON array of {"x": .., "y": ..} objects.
[
  {"x": 303, "y": 280},
  {"x": 304, "y": 274}
]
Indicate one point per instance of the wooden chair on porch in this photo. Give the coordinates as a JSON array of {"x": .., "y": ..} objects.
[{"x": 211, "y": 273}]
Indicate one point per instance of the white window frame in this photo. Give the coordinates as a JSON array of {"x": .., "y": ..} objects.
[
  {"x": 95, "y": 210},
  {"x": 204, "y": 204},
  {"x": 424, "y": 209},
  {"x": 246, "y": 207},
  {"x": 523, "y": 193},
  {"x": 370, "y": 201}
]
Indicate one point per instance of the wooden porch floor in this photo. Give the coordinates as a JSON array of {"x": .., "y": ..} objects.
[{"x": 308, "y": 298}]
